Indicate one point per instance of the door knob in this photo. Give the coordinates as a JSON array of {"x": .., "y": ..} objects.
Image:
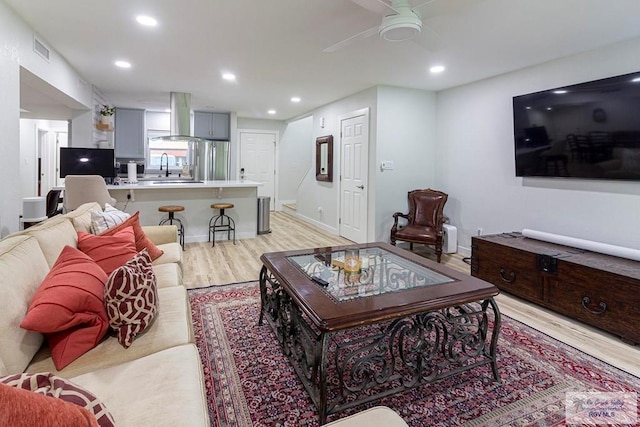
[{"x": 361, "y": 187}]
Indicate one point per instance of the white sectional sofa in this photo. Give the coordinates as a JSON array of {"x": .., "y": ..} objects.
[{"x": 157, "y": 381}]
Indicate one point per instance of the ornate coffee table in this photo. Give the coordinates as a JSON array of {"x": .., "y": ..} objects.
[{"x": 402, "y": 322}]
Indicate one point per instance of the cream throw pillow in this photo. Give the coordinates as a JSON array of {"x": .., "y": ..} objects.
[{"x": 110, "y": 217}]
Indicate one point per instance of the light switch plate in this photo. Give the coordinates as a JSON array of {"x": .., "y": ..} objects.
[{"x": 386, "y": 165}]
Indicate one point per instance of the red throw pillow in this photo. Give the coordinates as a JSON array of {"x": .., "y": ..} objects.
[
  {"x": 47, "y": 384},
  {"x": 142, "y": 241},
  {"x": 131, "y": 298},
  {"x": 68, "y": 307},
  {"x": 23, "y": 408},
  {"x": 109, "y": 252}
]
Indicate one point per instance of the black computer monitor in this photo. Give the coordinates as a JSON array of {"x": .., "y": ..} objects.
[{"x": 87, "y": 161}]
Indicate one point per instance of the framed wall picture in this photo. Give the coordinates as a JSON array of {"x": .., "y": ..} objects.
[{"x": 324, "y": 158}]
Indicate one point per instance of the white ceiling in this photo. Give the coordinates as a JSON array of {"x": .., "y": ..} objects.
[{"x": 275, "y": 47}]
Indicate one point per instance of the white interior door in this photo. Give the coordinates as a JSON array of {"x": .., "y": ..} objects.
[
  {"x": 354, "y": 154},
  {"x": 258, "y": 160}
]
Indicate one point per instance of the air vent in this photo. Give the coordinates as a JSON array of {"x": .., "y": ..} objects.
[{"x": 40, "y": 48}]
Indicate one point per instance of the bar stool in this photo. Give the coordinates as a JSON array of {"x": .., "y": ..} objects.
[
  {"x": 171, "y": 209},
  {"x": 222, "y": 222}
]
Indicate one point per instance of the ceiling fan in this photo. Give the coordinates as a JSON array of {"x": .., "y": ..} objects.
[{"x": 400, "y": 22}]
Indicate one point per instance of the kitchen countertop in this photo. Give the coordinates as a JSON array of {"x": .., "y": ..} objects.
[
  {"x": 196, "y": 197},
  {"x": 159, "y": 184}
]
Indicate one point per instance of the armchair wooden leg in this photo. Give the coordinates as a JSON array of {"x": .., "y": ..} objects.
[
  {"x": 410, "y": 246},
  {"x": 438, "y": 253}
]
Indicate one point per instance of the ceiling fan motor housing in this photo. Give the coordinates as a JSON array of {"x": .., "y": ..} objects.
[{"x": 400, "y": 26}]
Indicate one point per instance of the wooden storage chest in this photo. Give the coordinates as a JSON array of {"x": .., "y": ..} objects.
[{"x": 597, "y": 289}]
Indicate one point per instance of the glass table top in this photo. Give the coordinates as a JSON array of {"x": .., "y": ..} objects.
[{"x": 377, "y": 272}]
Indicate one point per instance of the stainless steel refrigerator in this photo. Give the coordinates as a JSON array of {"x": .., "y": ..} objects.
[{"x": 209, "y": 160}]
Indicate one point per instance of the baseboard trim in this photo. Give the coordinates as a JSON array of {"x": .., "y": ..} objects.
[
  {"x": 204, "y": 238},
  {"x": 324, "y": 227}
]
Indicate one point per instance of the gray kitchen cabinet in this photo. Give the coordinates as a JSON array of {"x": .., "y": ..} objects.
[
  {"x": 211, "y": 125},
  {"x": 129, "y": 133}
]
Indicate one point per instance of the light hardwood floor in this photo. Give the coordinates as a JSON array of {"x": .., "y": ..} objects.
[{"x": 205, "y": 265}]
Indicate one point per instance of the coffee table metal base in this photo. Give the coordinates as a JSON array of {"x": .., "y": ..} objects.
[{"x": 343, "y": 369}]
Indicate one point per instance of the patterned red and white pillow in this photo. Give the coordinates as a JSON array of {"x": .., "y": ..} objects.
[
  {"x": 51, "y": 385},
  {"x": 131, "y": 298}
]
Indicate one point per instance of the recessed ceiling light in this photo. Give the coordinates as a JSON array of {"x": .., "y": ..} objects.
[
  {"x": 272, "y": 112},
  {"x": 549, "y": 108},
  {"x": 295, "y": 99},
  {"x": 123, "y": 64},
  {"x": 559, "y": 92},
  {"x": 437, "y": 69},
  {"x": 528, "y": 108},
  {"x": 229, "y": 76},
  {"x": 146, "y": 20}
]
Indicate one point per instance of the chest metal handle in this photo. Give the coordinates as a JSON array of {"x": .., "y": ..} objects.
[{"x": 586, "y": 301}]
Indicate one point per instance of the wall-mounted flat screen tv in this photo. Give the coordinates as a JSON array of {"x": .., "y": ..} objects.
[
  {"x": 589, "y": 130},
  {"x": 87, "y": 161}
]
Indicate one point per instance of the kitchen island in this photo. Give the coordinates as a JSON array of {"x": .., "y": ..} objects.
[{"x": 196, "y": 197}]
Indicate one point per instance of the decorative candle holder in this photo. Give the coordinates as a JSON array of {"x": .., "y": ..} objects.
[
  {"x": 352, "y": 265},
  {"x": 367, "y": 269}
]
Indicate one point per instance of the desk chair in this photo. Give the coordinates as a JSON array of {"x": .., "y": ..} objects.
[{"x": 81, "y": 189}]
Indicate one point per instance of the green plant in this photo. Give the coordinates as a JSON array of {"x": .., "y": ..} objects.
[{"x": 107, "y": 111}]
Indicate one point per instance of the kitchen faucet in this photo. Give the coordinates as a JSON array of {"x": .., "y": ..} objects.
[{"x": 167, "y": 156}]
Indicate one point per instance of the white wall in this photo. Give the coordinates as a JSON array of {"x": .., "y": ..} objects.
[
  {"x": 313, "y": 194},
  {"x": 28, "y": 157},
  {"x": 30, "y": 151},
  {"x": 261, "y": 124},
  {"x": 295, "y": 161},
  {"x": 406, "y": 134},
  {"x": 16, "y": 39},
  {"x": 402, "y": 128},
  {"x": 9, "y": 125},
  {"x": 475, "y": 155}
]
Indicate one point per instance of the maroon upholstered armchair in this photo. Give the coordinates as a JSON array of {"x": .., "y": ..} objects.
[{"x": 424, "y": 220}]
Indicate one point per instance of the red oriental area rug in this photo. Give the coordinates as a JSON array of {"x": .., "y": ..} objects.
[{"x": 251, "y": 383}]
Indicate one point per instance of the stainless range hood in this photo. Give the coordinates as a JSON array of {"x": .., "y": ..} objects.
[
  {"x": 180, "y": 122},
  {"x": 180, "y": 114},
  {"x": 206, "y": 159}
]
